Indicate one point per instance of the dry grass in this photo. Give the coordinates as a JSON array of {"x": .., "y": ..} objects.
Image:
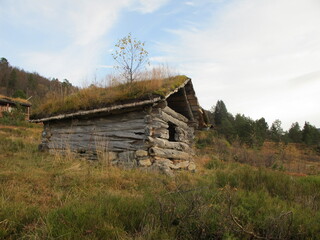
[
  {"x": 290, "y": 158},
  {"x": 62, "y": 197},
  {"x": 295, "y": 158},
  {"x": 15, "y": 100},
  {"x": 97, "y": 97}
]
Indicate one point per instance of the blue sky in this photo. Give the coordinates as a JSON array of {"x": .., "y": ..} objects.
[{"x": 262, "y": 58}]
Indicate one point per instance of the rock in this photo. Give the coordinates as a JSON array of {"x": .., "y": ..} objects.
[
  {"x": 182, "y": 165},
  {"x": 173, "y": 166},
  {"x": 167, "y": 171},
  {"x": 163, "y": 168},
  {"x": 163, "y": 161},
  {"x": 141, "y": 153},
  {"x": 192, "y": 166},
  {"x": 145, "y": 162},
  {"x": 126, "y": 156}
]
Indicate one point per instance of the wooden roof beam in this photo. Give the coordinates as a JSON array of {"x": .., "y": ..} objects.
[{"x": 188, "y": 104}]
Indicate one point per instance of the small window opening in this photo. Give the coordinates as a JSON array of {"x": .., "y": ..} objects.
[{"x": 172, "y": 132}]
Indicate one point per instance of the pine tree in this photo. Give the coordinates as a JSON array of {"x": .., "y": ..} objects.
[
  {"x": 295, "y": 133},
  {"x": 276, "y": 131},
  {"x": 220, "y": 113},
  {"x": 310, "y": 134}
]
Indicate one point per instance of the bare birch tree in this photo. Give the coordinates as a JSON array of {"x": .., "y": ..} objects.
[{"x": 130, "y": 56}]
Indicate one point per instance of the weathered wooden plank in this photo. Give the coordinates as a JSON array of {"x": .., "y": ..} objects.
[
  {"x": 177, "y": 89},
  {"x": 110, "y": 146},
  {"x": 158, "y": 119},
  {"x": 98, "y": 131},
  {"x": 175, "y": 114},
  {"x": 162, "y": 143},
  {"x": 93, "y": 122},
  {"x": 127, "y": 125},
  {"x": 191, "y": 117},
  {"x": 167, "y": 118},
  {"x": 169, "y": 153},
  {"x": 117, "y": 134},
  {"x": 97, "y": 111}
]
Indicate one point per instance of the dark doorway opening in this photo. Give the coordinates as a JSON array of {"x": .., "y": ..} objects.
[{"x": 172, "y": 132}]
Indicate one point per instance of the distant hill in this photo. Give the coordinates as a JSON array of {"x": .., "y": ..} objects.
[{"x": 15, "y": 82}]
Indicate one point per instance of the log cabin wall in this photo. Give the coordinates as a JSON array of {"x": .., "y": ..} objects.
[
  {"x": 155, "y": 136},
  {"x": 118, "y": 136},
  {"x": 170, "y": 139}
]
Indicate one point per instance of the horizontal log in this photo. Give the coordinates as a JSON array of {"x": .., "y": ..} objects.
[
  {"x": 162, "y": 143},
  {"x": 169, "y": 153},
  {"x": 111, "y": 146},
  {"x": 137, "y": 116},
  {"x": 94, "y": 131},
  {"x": 116, "y": 134},
  {"x": 128, "y": 125},
  {"x": 157, "y": 124},
  {"x": 157, "y": 119},
  {"x": 168, "y": 118},
  {"x": 175, "y": 114}
]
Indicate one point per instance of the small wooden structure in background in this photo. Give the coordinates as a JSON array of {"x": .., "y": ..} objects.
[
  {"x": 157, "y": 132},
  {"x": 8, "y": 104}
]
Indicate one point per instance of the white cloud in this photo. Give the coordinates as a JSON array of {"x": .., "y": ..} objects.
[
  {"x": 246, "y": 53},
  {"x": 104, "y": 66},
  {"x": 189, "y": 3},
  {"x": 77, "y": 29},
  {"x": 149, "y": 6},
  {"x": 72, "y": 34}
]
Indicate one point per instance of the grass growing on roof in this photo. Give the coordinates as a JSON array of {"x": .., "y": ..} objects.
[
  {"x": 96, "y": 97},
  {"x": 15, "y": 100}
]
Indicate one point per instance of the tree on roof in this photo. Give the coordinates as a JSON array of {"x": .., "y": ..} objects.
[{"x": 130, "y": 56}]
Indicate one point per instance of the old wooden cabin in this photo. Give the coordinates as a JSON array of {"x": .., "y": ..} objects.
[
  {"x": 8, "y": 104},
  {"x": 153, "y": 128}
]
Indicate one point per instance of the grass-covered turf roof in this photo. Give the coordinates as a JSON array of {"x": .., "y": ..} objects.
[
  {"x": 10, "y": 100},
  {"x": 97, "y": 97}
]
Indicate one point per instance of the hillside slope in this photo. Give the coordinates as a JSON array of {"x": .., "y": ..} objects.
[{"x": 15, "y": 82}]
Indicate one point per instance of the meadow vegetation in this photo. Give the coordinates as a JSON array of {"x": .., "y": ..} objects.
[
  {"x": 46, "y": 196},
  {"x": 15, "y": 118}
]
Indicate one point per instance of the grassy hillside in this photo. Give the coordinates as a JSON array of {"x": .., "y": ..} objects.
[
  {"x": 55, "y": 197},
  {"x": 16, "y": 82}
]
